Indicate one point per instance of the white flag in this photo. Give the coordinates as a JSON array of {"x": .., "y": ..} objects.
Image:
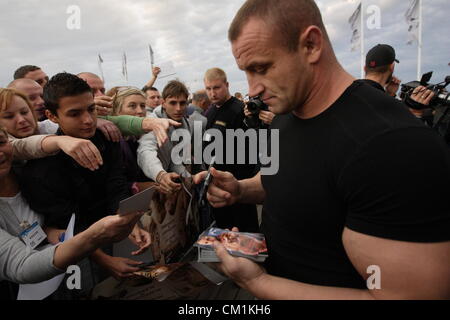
[
  {"x": 355, "y": 24},
  {"x": 412, "y": 19},
  {"x": 152, "y": 58},
  {"x": 100, "y": 61},
  {"x": 124, "y": 66}
]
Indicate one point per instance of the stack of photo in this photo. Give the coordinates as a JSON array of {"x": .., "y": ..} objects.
[{"x": 240, "y": 244}]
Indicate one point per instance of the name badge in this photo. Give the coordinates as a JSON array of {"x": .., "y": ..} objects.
[
  {"x": 33, "y": 236},
  {"x": 220, "y": 123}
]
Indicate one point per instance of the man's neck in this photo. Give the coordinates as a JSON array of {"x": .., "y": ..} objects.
[
  {"x": 378, "y": 78},
  {"x": 329, "y": 84},
  {"x": 228, "y": 98}
]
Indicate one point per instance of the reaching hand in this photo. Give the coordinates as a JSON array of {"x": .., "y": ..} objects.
[
  {"x": 113, "y": 228},
  {"x": 82, "y": 151},
  {"x": 167, "y": 182},
  {"x": 159, "y": 127},
  {"x": 103, "y": 104},
  {"x": 109, "y": 130},
  {"x": 121, "y": 268},
  {"x": 156, "y": 71},
  {"x": 141, "y": 238}
]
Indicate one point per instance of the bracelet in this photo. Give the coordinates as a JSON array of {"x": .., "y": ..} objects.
[{"x": 159, "y": 176}]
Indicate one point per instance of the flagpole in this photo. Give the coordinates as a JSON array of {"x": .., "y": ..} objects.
[
  {"x": 419, "y": 46},
  {"x": 362, "y": 40}
]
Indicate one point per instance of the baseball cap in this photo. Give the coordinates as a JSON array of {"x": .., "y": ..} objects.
[{"x": 380, "y": 55}]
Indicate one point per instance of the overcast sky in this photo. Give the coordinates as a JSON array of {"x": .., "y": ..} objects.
[{"x": 191, "y": 34}]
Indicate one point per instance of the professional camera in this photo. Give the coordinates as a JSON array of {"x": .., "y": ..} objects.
[
  {"x": 440, "y": 104},
  {"x": 441, "y": 95},
  {"x": 255, "y": 105}
]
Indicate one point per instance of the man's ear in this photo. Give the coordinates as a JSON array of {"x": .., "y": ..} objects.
[
  {"x": 392, "y": 67},
  {"x": 311, "y": 43},
  {"x": 51, "y": 116}
]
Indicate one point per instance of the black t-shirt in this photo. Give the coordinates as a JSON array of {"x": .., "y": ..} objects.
[
  {"x": 366, "y": 164},
  {"x": 57, "y": 186}
]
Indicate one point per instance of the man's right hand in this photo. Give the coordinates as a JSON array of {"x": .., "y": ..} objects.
[
  {"x": 224, "y": 189},
  {"x": 103, "y": 104},
  {"x": 156, "y": 71},
  {"x": 159, "y": 127}
]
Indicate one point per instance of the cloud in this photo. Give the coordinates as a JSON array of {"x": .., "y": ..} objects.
[{"x": 190, "y": 33}]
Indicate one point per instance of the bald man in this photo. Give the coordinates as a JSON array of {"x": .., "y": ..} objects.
[
  {"x": 34, "y": 92},
  {"x": 94, "y": 81},
  {"x": 102, "y": 102}
]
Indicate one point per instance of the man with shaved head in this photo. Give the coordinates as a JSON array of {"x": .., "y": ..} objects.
[
  {"x": 354, "y": 211},
  {"x": 34, "y": 92},
  {"x": 103, "y": 103}
]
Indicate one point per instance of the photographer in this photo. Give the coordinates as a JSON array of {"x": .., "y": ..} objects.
[
  {"x": 262, "y": 119},
  {"x": 430, "y": 103},
  {"x": 379, "y": 68}
]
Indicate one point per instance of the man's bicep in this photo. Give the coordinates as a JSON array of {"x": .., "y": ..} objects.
[
  {"x": 403, "y": 270},
  {"x": 395, "y": 187}
]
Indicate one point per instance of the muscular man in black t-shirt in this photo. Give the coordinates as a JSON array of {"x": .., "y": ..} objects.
[{"x": 358, "y": 208}]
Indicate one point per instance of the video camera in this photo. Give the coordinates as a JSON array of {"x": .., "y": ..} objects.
[
  {"x": 255, "y": 105},
  {"x": 441, "y": 95},
  {"x": 440, "y": 102}
]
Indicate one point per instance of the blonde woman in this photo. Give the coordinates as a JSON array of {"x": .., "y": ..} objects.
[{"x": 130, "y": 101}]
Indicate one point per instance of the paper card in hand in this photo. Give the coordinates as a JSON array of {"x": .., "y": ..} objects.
[{"x": 138, "y": 202}]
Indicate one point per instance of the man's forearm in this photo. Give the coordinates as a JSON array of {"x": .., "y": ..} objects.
[
  {"x": 251, "y": 190},
  {"x": 269, "y": 287},
  {"x": 74, "y": 250}
]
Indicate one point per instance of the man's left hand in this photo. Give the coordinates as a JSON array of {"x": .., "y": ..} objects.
[
  {"x": 243, "y": 271},
  {"x": 109, "y": 129}
]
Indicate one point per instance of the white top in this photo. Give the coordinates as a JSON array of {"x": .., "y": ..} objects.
[
  {"x": 18, "y": 263},
  {"x": 14, "y": 211},
  {"x": 47, "y": 127}
]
